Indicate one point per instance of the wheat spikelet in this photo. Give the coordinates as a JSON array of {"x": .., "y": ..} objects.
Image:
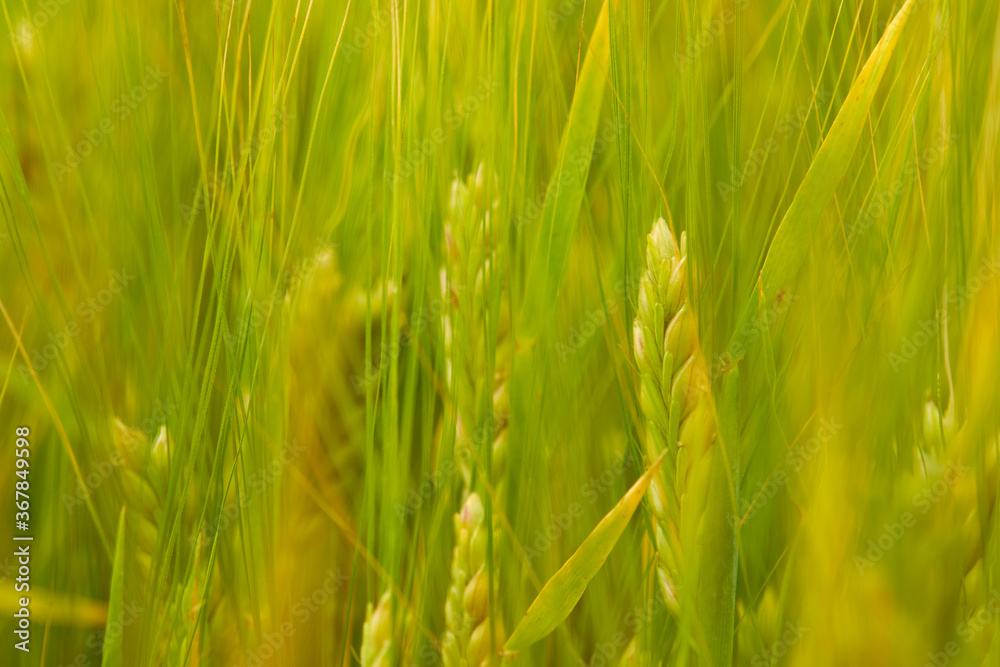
[
  {"x": 377, "y": 635},
  {"x": 630, "y": 657},
  {"x": 472, "y": 282}
]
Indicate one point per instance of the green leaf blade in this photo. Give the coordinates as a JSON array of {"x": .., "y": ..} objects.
[
  {"x": 111, "y": 652},
  {"x": 566, "y": 188},
  {"x": 561, "y": 593},
  {"x": 791, "y": 240}
]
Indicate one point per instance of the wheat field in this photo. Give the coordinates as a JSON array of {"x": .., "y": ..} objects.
[{"x": 477, "y": 332}]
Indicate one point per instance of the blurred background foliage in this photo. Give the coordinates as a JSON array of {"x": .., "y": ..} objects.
[{"x": 228, "y": 219}]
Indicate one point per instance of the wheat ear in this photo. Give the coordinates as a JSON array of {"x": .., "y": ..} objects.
[
  {"x": 675, "y": 397},
  {"x": 472, "y": 282},
  {"x": 145, "y": 475},
  {"x": 689, "y": 499},
  {"x": 144, "y": 479}
]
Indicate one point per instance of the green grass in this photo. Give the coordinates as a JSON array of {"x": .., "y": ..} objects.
[{"x": 231, "y": 219}]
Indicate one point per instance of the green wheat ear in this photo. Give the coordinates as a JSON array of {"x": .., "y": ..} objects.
[
  {"x": 144, "y": 477},
  {"x": 467, "y": 641},
  {"x": 472, "y": 281},
  {"x": 377, "y": 642},
  {"x": 675, "y": 398},
  {"x": 145, "y": 473},
  {"x": 692, "y": 496},
  {"x": 475, "y": 324}
]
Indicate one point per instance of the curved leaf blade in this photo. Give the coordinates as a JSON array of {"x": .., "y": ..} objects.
[
  {"x": 791, "y": 241},
  {"x": 564, "y": 196},
  {"x": 111, "y": 653},
  {"x": 561, "y": 593}
]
